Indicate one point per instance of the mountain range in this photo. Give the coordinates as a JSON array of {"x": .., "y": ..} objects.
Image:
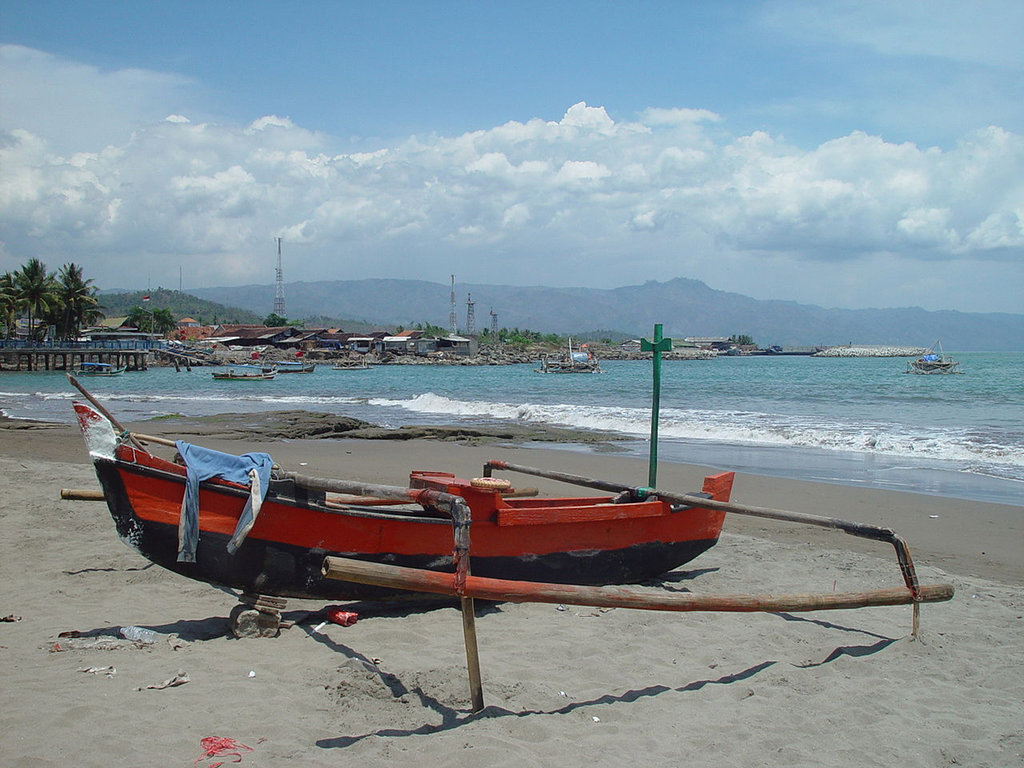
[{"x": 683, "y": 306}]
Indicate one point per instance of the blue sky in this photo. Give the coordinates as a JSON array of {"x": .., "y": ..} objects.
[{"x": 849, "y": 154}]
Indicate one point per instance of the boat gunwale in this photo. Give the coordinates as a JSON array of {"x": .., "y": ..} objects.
[{"x": 219, "y": 485}]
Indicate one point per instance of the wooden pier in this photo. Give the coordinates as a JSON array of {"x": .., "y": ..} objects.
[{"x": 24, "y": 358}]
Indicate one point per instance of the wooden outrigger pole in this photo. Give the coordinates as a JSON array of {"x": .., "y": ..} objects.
[
  {"x": 469, "y": 587},
  {"x": 861, "y": 530},
  {"x": 506, "y": 591}
]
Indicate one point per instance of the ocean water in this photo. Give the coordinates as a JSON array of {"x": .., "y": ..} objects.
[{"x": 855, "y": 421}]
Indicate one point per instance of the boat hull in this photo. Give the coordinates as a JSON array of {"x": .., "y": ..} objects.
[{"x": 574, "y": 540}]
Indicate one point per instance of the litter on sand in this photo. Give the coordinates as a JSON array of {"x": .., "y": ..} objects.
[
  {"x": 179, "y": 679},
  {"x": 108, "y": 671},
  {"x": 220, "y": 746}
]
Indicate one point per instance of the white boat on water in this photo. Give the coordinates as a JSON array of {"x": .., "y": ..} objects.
[
  {"x": 289, "y": 366},
  {"x": 243, "y": 373},
  {"x": 99, "y": 369},
  {"x": 934, "y": 361},
  {"x": 579, "y": 361}
]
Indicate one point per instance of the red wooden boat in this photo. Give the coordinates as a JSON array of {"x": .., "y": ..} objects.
[{"x": 592, "y": 540}]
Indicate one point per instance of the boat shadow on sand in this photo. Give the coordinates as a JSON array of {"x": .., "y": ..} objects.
[
  {"x": 199, "y": 630},
  {"x": 452, "y": 718}
]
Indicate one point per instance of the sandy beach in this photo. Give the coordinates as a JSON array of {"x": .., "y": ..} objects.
[{"x": 567, "y": 687}]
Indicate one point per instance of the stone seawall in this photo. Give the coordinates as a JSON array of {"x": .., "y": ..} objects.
[{"x": 868, "y": 351}]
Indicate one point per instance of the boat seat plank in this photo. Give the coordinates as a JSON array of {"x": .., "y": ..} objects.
[{"x": 578, "y": 514}]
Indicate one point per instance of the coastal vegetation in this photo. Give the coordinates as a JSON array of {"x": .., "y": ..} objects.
[
  {"x": 65, "y": 300},
  {"x": 179, "y": 304}
]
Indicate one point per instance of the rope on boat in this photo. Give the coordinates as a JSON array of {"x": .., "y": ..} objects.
[{"x": 454, "y": 506}]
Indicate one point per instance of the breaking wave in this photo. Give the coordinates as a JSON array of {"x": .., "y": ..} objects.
[{"x": 977, "y": 453}]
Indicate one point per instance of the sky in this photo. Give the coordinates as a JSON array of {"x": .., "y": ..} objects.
[{"x": 844, "y": 154}]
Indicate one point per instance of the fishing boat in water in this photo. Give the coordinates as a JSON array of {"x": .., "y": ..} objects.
[
  {"x": 581, "y": 360},
  {"x": 99, "y": 369},
  {"x": 289, "y": 366},
  {"x": 934, "y": 361},
  {"x": 243, "y": 373}
]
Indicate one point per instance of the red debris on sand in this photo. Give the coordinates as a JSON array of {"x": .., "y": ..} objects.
[
  {"x": 221, "y": 746},
  {"x": 344, "y": 618}
]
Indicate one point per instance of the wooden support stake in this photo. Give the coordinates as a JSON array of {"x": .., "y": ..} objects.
[{"x": 476, "y": 690}]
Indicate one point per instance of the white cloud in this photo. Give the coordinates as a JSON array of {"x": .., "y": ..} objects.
[
  {"x": 983, "y": 32},
  {"x": 584, "y": 200},
  {"x": 80, "y": 107}
]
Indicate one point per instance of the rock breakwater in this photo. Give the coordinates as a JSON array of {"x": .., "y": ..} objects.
[{"x": 870, "y": 351}]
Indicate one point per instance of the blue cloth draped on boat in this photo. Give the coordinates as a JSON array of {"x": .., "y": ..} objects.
[{"x": 252, "y": 469}]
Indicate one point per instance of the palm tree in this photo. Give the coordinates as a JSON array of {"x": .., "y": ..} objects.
[
  {"x": 77, "y": 299},
  {"x": 140, "y": 318},
  {"x": 163, "y": 321},
  {"x": 36, "y": 290},
  {"x": 8, "y": 303},
  {"x": 159, "y": 321}
]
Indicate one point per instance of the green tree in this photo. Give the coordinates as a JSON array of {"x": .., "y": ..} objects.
[
  {"x": 140, "y": 318},
  {"x": 163, "y": 321},
  {"x": 77, "y": 302},
  {"x": 158, "y": 321},
  {"x": 274, "y": 320},
  {"x": 36, "y": 292},
  {"x": 8, "y": 303}
]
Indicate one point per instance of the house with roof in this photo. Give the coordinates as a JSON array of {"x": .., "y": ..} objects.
[
  {"x": 457, "y": 345},
  {"x": 253, "y": 335}
]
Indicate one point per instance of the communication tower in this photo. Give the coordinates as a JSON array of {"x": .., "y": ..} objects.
[
  {"x": 494, "y": 323},
  {"x": 279, "y": 286},
  {"x": 470, "y": 315},
  {"x": 451, "y": 312}
]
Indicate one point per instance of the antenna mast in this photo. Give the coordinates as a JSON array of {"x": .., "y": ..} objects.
[
  {"x": 279, "y": 286},
  {"x": 494, "y": 323},
  {"x": 451, "y": 313},
  {"x": 470, "y": 315}
]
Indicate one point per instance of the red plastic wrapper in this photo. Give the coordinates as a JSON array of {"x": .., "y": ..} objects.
[{"x": 344, "y": 618}]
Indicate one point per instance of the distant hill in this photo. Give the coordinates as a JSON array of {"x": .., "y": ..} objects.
[
  {"x": 684, "y": 307},
  {"x": 207, "y": 312}
]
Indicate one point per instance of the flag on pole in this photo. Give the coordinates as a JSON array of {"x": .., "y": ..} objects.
[{"x": 145, "y": 298}]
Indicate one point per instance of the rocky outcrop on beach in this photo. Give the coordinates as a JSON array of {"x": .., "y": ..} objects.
[
  {"x": 868, "y": 351},
  {"x": 310, "y": 425}
]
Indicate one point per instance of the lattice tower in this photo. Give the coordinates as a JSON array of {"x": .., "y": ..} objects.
[
  {"x": 470, "y": 315},
  {"x": 451, "y": 312},
  {"x": 279, "y": 309}
]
